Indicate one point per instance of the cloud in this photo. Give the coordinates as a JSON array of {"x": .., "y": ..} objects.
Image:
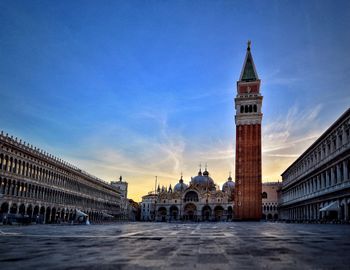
[
  {"x": 276, "y": 77},
  {"x": 287, "y": 137}
]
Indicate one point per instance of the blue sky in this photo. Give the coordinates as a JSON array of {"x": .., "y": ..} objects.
[{"x": 145, "y": 88}]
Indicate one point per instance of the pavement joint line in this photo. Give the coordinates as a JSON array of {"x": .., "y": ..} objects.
[
  {"x": 139, "y": 232},
  {"x": 307, "y": 232},
  {"x": 226, "y": 235},
  {"x": 7, "y": 234},
  {"x": 115, "y": 237}
]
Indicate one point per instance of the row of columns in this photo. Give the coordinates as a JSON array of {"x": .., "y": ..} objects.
[
  {"x": 328, "y": 148},
  {"x": 26, "y": 169},
  {"x": 27, "y": 190},
  {"x": 332, "y": 176},
  {"x": 45, "y": 214},
  {"x": 312, "y": 211}
]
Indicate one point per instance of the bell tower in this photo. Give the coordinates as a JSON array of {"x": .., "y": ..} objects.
[{"x": 248, "y": 118}]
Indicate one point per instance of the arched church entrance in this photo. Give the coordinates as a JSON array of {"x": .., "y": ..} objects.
[
  {"x": 206, "y": 213},
  {"x": 219, "y": 213},
  {"x": 162, "y": 213},
  {"x": 174, "y": 212},
  {"x": 190, "y": 211}
]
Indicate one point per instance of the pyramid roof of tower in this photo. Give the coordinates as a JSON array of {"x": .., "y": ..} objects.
[{"x": 248, "y": 71}]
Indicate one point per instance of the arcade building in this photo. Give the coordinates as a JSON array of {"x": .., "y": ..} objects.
[
  {"x": 316, "y": 187},
  {"x": 38, "y": 187}
]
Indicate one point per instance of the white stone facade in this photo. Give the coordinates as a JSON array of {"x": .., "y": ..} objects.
[
  {"x": 46, "y": 189},
  {"x": 148, "y": 206},
  {"x": 320, "y": 177}
]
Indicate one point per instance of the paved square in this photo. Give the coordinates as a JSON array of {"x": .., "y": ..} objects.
[{"x": 176, "y": 246}]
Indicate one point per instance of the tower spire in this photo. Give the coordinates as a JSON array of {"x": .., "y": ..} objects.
[
  {"x": 200, "y": 169},
  {"x": 248, "y": 71}
]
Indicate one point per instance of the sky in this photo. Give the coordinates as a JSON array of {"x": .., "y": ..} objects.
[{"x": 146, "y": 88}]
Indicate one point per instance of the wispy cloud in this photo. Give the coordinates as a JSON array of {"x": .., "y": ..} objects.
[
  {"x": 285, "y": 138},
  {"x": 169, "y": 152},
  {"x": 275, "y": 77}
]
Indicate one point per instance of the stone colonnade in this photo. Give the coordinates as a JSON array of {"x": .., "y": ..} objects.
[{"x": 46, "y": 189}]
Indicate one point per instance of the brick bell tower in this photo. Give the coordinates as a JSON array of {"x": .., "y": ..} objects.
[{"x": 248, "y": 118}]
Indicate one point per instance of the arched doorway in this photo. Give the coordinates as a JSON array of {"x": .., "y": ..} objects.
[
  {"x": 342, "y": 211},
  {"x": 174, "y": 212},
  {"x": 53, "y": 215},
  {"x": 162, "y": 213},
  {"x": 63, "y": 214},
  {"x": 190, "y": 212},
  {"x": 275, "y": 216},
  {"x": 30, "y": 211},
  {"x": 22, "y": 209},
  {"x": 58, "y": 216},
  {"x": 219, "y": 213},
  {"x": 13, "y": 209},
  {"x": 4, "y": 209},
  {"x": 269, "y": 216},
  {"x": 229, "y": 213},
  {"x": 48, "y": 215},
  {"x": 206, "y": 213},
  {"x": 71, "y": 216},
  {"x": 41, "y": 217}
]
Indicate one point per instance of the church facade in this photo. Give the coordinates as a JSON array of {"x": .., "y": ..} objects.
[{"x": 200, "y": 200}]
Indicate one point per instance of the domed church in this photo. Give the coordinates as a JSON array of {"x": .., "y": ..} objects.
[{"x": 200, "y": 200}]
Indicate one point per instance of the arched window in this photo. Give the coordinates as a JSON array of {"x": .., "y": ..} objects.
[
  {"x": 255, "y": 108},
  {"x": 264, "y": 195},
  {"x": 250, "y": 108},
  {"x": 246, "y": 108},
  {"x": 242, "y": 109},
  {"x": 191, "y": 196}
]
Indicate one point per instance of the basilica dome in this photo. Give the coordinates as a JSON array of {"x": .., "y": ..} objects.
[
  {"x": 181, "y": 186},
  {"x": 203, "y": 180},
  {"x": 229, "y": 185}
]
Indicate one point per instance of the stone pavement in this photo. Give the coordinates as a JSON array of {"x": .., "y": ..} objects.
[{"x": 202, "y": 246}]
